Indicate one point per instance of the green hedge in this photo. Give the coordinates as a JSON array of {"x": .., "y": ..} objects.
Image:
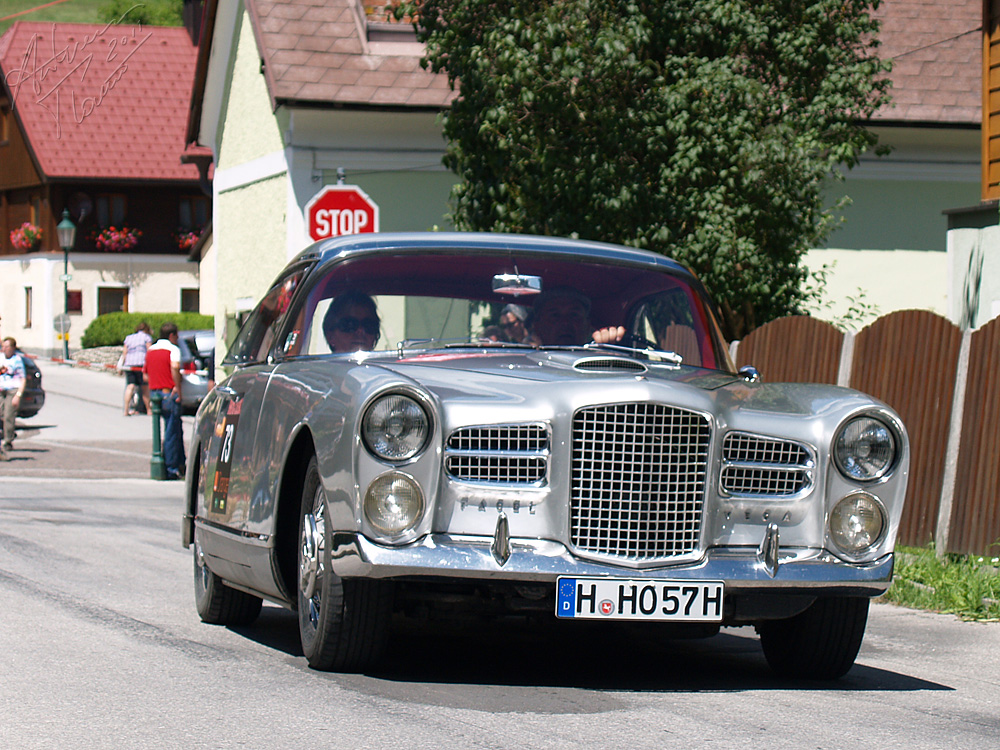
[{"x": 111, "y": 329}]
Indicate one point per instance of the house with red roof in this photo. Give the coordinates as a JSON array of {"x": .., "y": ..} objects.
[
  {"x": 292, "y": 95},
  {"x": 92, "y": 125}
]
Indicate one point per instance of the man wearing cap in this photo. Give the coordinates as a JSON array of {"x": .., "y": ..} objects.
[{"x": 561, "y": 317}]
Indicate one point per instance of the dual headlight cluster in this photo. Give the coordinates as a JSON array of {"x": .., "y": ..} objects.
[
  {"x": 865, "y": 450},
  {"x": 395, "y": 428}
]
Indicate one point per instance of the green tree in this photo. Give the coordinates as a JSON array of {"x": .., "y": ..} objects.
[{"x": 700, "y": 129}]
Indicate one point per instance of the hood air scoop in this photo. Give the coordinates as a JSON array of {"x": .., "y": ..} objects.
[{"x": 609, "y": 364}]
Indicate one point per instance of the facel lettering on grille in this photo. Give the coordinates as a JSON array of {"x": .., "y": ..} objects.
[{"x": 500, "y": 506}]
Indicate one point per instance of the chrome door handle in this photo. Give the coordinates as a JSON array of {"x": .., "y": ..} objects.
[{"x": 231, "y": 393}]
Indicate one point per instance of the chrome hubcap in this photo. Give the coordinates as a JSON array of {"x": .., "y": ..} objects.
[
  {"x": 309, "y": 561},
  {"x": 311, "y": 556}
]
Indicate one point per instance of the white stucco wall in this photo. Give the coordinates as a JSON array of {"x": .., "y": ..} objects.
[
  {"x": 864, "y": 284},
  {"x": 154, "y": 284},
  {"x": 249, "y": 131}
]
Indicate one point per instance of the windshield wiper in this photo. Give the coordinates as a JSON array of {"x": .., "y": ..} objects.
[{"x": 648, "y": 352}]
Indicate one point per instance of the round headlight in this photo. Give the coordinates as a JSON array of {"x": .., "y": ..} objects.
[
  {"x": 857, "y": 523},
  {"x": 393, "y": 503},
  {"x": 865, "y": 449},
  {"x": 395, "y": 428}
]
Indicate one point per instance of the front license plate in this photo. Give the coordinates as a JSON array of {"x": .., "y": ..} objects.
[{"x": 617, "y": 599}]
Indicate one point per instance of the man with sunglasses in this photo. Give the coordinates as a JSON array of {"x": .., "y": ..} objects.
[{"x": 351, "y": 324}]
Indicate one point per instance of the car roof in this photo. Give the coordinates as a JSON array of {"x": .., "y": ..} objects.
[{"x": 470, "y": 242}]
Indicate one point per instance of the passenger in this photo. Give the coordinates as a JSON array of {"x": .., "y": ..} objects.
[
  {"x": 351, "y": 323},
  {"x": 512, "y": 321},
  {"x": 561, "y": 317}
]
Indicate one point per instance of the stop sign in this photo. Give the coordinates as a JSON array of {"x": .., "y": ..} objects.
[{"x": 337, "y": 210}]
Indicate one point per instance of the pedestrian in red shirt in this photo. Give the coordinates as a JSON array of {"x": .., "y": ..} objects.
[{"x": 163, "y": 371}]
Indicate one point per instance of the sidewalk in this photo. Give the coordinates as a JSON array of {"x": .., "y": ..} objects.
[{"x": 81, "y": 431}]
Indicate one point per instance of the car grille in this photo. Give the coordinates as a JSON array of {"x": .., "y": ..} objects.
[
  {"x": 638, "y": 481},
  {"x": 498, "y": 454},
  {"x": 754, "y": 465}
]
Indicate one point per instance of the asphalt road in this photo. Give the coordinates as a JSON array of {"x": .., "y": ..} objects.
[{"x": 102, "y": 648}]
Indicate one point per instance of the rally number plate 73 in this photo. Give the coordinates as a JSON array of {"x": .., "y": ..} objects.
[{"x": 619, "y": 599}]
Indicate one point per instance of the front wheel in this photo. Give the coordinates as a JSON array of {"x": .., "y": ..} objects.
[
  {"x": 343, "y": 624},
  {"x": 820, "y": 643}
]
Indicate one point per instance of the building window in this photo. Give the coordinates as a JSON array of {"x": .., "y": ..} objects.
[
  {"x": 193, "y": 213},
  {"x": 189, "y": 300},
  {"x": 4, "y": 123},
  {"x": 74, "y": 302},
  {"x": 111, "y": 209},
  {"x": 27, "y": 307},
  {"x": 36, "y": 209},
  {"x": 111, "y": 299}
]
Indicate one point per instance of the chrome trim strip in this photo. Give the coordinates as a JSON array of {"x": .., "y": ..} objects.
[{"x": 440, "y": 555}]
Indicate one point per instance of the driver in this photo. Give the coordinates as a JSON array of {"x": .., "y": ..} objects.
[
  {"x": 351, "y": 323},
  {"x": 561, "y": 317}
]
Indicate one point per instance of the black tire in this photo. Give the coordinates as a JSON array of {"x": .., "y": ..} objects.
[
  {"x": 217, "y": 603},
  {"x": 343, "y": 624},
  {"x": 820, "y": 643}
]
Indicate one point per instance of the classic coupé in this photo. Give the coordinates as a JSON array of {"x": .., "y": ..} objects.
[{"x": 384, "y": 445}]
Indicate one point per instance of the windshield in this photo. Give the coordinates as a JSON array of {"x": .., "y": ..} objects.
[{"x": 379, "y": 301}]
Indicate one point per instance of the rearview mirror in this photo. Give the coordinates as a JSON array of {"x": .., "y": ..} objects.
[{"x": 516, "y": 284}]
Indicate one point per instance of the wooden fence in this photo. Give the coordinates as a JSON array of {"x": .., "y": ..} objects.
[{"x": 945, "y": 384}]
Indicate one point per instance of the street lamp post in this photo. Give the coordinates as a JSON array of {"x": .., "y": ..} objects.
[{"x": 66, "y": 230}]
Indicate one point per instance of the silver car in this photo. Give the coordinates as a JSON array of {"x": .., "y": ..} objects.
[
  {"x": 384, "y": 446},
  {"x": 197, "y": 352}
]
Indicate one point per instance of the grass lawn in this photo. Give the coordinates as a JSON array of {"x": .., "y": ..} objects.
[{"x": 71, "y": 11}]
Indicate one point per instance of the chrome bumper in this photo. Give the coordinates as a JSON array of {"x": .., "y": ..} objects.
[{"x": 532, "y": 560}]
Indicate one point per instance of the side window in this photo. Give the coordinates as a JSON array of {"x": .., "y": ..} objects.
[
  {"x": 668, "y": 321},
  {"x": 255, "y": 338}
]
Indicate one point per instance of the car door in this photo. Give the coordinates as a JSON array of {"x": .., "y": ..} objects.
[{"x": 237, "y": 463}]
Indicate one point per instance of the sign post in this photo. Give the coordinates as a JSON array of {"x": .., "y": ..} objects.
[{"x": 339, "y": 210}]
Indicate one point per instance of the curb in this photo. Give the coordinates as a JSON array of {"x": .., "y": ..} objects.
[{"x": 82, "y": 363}]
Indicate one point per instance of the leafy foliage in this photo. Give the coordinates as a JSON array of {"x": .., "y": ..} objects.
[
  {"x": 145, "y": 12},
  {"x": 700, "y": 129},
  {"x": 112, "y": 328}
]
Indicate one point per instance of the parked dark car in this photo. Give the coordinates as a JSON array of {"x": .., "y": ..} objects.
[
  {"x": 445, "y": 468},
  {"x": 34, "y": 395}
]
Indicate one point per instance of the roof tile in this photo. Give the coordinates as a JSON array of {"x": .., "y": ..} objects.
[
  {"x": 338, "y": 71},
  {"x": 934, "y": 44},
  {"x": 118, "y": 118},
  {"x": 935, "y": 47}
]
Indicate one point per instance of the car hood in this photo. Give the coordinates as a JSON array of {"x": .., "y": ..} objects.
[
  {"x": 437, "y": 369},
  {"x": 492, "y": 376}
]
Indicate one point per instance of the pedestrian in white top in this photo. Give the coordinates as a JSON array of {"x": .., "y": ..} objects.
[{"x": 12, "y": 382}]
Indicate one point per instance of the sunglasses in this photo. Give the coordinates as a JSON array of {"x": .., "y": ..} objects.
[{"x": 348, "y": 324}]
